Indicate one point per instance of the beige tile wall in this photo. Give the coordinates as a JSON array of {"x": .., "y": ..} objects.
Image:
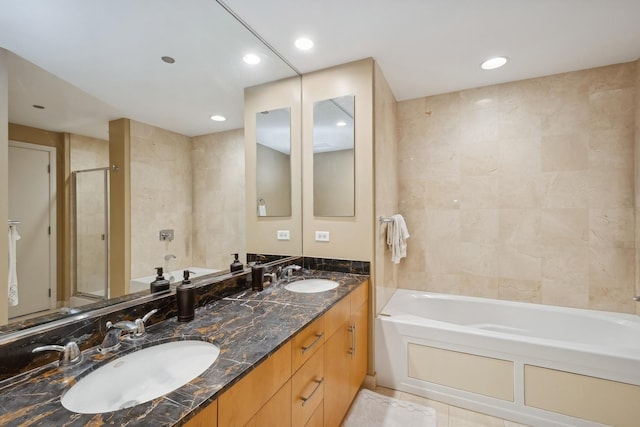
[
  {"x": 161, "y": 195},
  {"x": 523, "y": 191},
  {"x": 87, "y": 152},
  {"x": 218, "y": 198}
]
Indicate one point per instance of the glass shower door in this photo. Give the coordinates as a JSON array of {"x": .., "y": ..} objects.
[{"x": 91, "y": 233}]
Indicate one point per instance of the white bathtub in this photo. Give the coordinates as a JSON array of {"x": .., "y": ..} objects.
[{"x": 534, "y": 364}]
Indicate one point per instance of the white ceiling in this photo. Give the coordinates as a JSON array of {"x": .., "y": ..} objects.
[
  {"x": 110, "y": 50},
  {"x": 426, "y": 47}
]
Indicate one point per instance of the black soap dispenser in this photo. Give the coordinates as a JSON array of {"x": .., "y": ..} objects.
[
  {"x": 186, "y": 295},
  {"x": 160, "y": 284},
  {"x": 236, "y": 265}
]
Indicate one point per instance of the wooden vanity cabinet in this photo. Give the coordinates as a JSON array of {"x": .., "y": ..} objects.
[
  {"x": 310, "y": 381},
  {"x": 345, "y": 354}
]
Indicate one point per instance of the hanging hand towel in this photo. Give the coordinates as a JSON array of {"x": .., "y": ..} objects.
[
  {"x": 262, "y": 208},
  {"x": 397, "y": 235},
  {"x": 13, "y": 272}
]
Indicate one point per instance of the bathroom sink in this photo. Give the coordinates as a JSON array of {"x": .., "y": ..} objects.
[
  {"x": 311, "y": 286},
  {"x": 140, "y": 376}
]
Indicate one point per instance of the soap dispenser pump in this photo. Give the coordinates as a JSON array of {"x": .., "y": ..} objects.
[
  {"x": 186, "y": 295},
  {"x": 160, "y": 284},
  {"x": 236, "y": 265}
]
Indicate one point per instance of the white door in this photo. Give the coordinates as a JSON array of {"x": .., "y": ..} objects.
[{"x": 32, "y": 202}]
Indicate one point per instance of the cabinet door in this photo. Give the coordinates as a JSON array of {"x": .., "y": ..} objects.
[
  {"x": 359, "y": 333},
  {"x": 337, "y": 376},
  {"x": 208, "y": 417}
]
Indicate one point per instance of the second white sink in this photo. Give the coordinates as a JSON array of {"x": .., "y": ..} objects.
[
  {"x": 311, "y": 286},
  {"x": 140, "y": 376}
]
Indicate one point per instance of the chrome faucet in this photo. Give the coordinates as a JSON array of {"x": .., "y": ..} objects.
[
  {"x": 140, "y": 330},
  {"x": 636, "y": 298},
  {"x": 135, "y": 329},
  {"x": 287, "y": 271},
  {"x": 69, "y": 353}
]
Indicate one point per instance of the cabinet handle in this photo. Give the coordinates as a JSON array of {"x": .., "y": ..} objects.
[
  {"x": 318, "y": 336},
  {"x": 318, "y": 384},
  {"x": 352, "y": 329}
]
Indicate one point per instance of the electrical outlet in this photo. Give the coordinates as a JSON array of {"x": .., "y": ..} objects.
[
  {"x": 322, "y": 236},
  {"x": 166, "y": 235},
  {"x": 283, "y": 235}
]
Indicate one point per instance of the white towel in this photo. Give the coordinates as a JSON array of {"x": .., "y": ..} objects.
[
  {"x": 13, "y": 271},
  {"x": 397, "y": 235},
  {"x": 262, "y": 210}
]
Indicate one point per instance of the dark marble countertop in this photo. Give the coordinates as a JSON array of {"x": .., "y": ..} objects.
[{"x": 248, "y": 327}]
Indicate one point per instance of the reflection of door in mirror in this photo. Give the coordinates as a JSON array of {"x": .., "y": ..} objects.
[
  {"x": 32, "y": 189},
  {"x": 273, "y": 162},
  {"x": 333, "y": 157}
]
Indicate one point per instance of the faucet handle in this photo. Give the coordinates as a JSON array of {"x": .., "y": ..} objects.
[
  {"x": 69, "y": 353},
  {"x": 140, "y": 330},
  {"x": 123, "y": 325}
]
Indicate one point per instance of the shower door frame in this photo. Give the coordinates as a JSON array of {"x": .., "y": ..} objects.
[{"x": 107, "y": 224}]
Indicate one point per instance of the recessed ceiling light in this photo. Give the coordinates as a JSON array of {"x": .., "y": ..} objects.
[
  {"x": 341, "y": 124},
  {"x": 168, "y": 59},
  {"x": 493, "y": 63},
  {"x": 251, "y": 59},
  {"x": 218, "y": 118},
  {"x": 39, "y": 107},
  {"x": 304, "y": 43}
]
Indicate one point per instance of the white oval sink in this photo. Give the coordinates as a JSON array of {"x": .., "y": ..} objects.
[
  {"x": 311, "y": 286},
  {"x": 140, "y": 376}
]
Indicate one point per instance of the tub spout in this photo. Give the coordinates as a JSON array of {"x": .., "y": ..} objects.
[{"x": 637, "y": 298}]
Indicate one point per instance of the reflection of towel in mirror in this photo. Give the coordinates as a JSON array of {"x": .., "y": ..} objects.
[
  {"x": 13, "y": 273},
  {"x": 262, "y": 210},
  {"x": 397, "y": 235}
]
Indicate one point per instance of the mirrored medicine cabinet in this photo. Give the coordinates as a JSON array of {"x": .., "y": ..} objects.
[{"x": 334, "y": 157}]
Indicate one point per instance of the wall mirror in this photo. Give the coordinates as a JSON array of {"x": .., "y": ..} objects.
[
  {"x": 333, "y": 157},
  {"x": 273, "y": 162},
  {"x": 57, "y": 65}
]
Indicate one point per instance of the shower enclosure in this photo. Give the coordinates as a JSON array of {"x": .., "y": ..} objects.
[{"x": 91, "y": 234}]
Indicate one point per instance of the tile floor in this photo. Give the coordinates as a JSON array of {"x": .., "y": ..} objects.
[{"x": 451, "y": 416}]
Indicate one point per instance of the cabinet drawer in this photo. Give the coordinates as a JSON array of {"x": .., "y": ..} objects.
[
  {"x": 307, "y": 389},
  {"x": 317, "y": 418},
  {"x": 306, "y": 343},
  {"x": 337, "y": 316},
  {"x": 238, "y": 404}
]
